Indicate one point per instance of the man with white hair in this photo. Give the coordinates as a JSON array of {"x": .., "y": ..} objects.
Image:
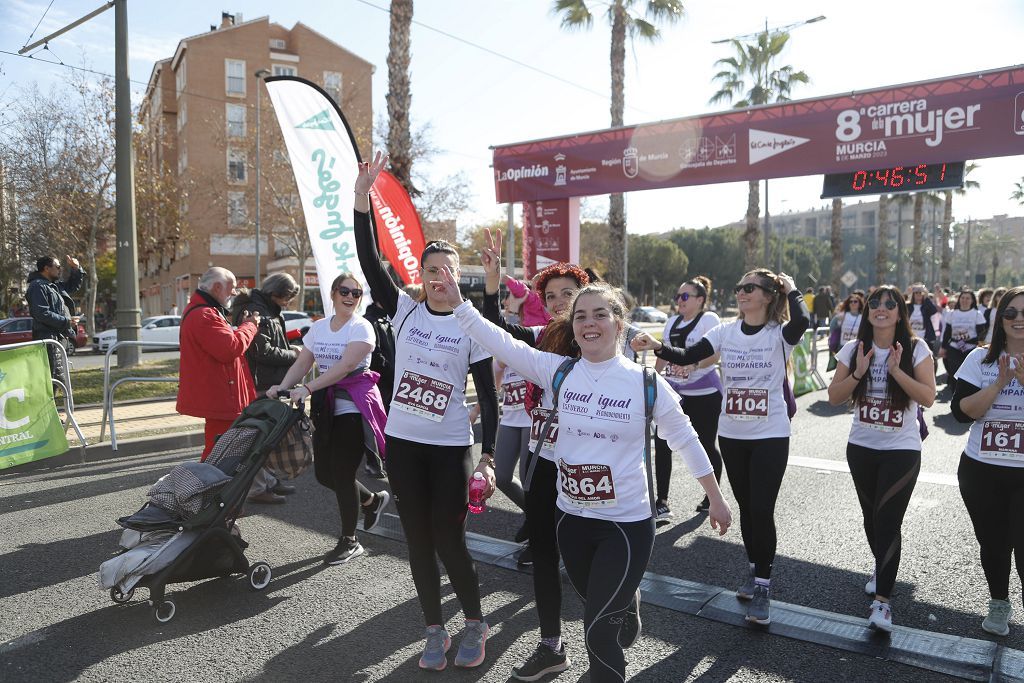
[{"x": 215, "y": 380}]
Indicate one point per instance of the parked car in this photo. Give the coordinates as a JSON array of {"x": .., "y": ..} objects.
[
  {"x": 648, "y": 314},
  {"x": 158, "y": 328},
  {"x": 296, "y": 324},
  {"x": 16, "y": 330}
]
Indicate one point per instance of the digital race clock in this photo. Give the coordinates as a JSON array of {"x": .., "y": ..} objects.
[{"x": 919, "y": 178}]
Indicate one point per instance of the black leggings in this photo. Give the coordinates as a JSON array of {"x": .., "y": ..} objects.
[
  {"x": 994, "y": 496},
  {"x": 346, "y": 452},
  {"x": 703, "y": 412},
  {"x": 953, "y": 360},
  {"x": 755, "y": 469},
  {"x": 885, "y": 481},
  {"x": 605, "y": 562},
  {"x": 541, "y": 520},
  {"x": 430, "y": 486}
]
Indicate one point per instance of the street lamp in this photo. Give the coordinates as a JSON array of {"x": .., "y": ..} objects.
[
  {"x": 767, "y": 71},
  {"x": 260, "y": 74}
]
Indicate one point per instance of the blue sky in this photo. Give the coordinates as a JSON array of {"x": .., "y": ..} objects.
[{"x": 473, "y": 99}]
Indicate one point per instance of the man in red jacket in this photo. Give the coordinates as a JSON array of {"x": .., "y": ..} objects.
[{"x": 215, "y": 380}]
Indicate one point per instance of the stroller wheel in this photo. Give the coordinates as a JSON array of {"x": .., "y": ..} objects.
[
  {"x": 259, "y": 576},
  {"x": 164, "y": 612},
  {"x": 121, "y": 598}
]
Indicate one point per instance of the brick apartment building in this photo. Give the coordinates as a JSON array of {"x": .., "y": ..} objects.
[{"x": 200, "y": 110}]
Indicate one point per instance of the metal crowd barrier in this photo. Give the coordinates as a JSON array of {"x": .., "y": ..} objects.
[
  {"x": 108, "y": 388},
  {"x": 69, "y": 399}
]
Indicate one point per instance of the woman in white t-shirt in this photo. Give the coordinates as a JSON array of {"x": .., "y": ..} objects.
[
  {"x": 989, "y": 394},
  {"x": 605, "y": 525},
  {"x": 753, "y": 428},
  {"x": 846, "y": 322},
  {"x": 340, "y": 346},
  {"x": 887, "y": 373},
  {"x": 699, "y": 386},
  {"x": 964, "y": 325}
]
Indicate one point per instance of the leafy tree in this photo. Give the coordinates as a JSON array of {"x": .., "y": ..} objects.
[
  {"x": 1018, "y": 192},
  {"x": 633, "y": 19},
  {"x": 717, "y": 254},
  {"x": 659, "y": 268},
  {"x": 947, "y": 219}
]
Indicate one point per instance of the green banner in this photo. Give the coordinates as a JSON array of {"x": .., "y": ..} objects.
[
  {"x": 804, "y": 379},
  {"x": 29, "y": 426}
]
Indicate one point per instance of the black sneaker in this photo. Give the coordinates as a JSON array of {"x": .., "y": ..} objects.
[
  {"x": 371, "y": 512},
  {"x": 629, "y": 632},
  {"x": 542, "y": 662},
  {"x": 523, "y": 534},
  {"x": 346, "y": 549},
  {"x": 704, "y": 505},
  {"x": 664, "y": 512},
  {"x": 525, "y": 557}
]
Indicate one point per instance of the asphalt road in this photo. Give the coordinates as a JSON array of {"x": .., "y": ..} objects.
[{"x": 362, "y": 621}]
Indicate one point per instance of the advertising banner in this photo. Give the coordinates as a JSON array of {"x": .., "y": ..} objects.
[
  {"x": 325, "y": 162},
  {"x": 29, "y": 426},
  {"x": 551, "y": 233},
  {"x": 804, "y": 378},
  {"x": 399, "y": 232},
  {"x": 952, "y": 119}
]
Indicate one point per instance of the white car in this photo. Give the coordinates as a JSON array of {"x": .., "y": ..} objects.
[
  {"x": 296, "y": 324},
  {"x": 159, "y": 328}
]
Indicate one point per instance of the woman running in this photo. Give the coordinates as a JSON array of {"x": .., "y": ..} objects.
[
  {"x": 989, "y": 394},
  {"x": 887, "y": 373},
  {"x": 341, "y": 347},
  {"x": 964, "y": 326},
  {"x": 699, "y": 388},
  {"x": 605, "y": 524},
  {"x": 753, "y": 428},
  {"x": 429, "y": 437}
]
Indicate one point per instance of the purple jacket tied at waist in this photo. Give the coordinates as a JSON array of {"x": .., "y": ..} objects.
[{"x": 363, "y": 390}]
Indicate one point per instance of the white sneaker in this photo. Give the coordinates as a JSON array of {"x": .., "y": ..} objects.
[
  {"x": 998, "y": 620},
  {"x": 870, "y": 586},
  {"x": 881, "y": 616}
]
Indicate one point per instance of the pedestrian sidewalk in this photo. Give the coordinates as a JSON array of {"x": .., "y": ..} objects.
[{"x": 133, "y": 419}]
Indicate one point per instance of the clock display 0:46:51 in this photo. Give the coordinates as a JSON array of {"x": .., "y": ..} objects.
[{"x": 897, "y": 177}]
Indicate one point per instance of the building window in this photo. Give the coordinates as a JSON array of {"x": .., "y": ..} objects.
[
  {"x": 238, "y": 213},
  {"x": 182, "y": 114},
  {"x": 234, "y": 70},
  {"x": 236, "y": 166},
  {"x": 182, "y": 158},
  {"x": 332, "y": 84},
  {"x": 236, "y": 120},
  {"x": 281, "y": 70},
  {"x": 277, "y": 44},
  {"x": 179, "y": 78}
]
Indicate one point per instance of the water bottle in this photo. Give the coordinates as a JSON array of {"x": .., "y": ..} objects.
[{"x": 477, "y": 492}]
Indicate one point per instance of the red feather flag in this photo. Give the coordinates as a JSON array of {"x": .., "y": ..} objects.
[{"x": 399, "y": 232}]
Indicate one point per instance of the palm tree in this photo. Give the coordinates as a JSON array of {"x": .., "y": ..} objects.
[
  {"x": 1018, "y": 192},
  {"x": 882, "y": 243},
  {"x": 399, "y": 96},
  {"x": 626, "y": 20},
  {"x": 900, "y": 201},
  {"x": 917, "y": 250},
  {"x": 947, "y": 220},
  {"x": 752, "y": 63},
  {"x": 837, "y": 241}
]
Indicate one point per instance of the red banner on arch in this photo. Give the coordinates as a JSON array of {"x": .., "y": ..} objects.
[
  {"x": 399, "y": 232},
  {"x": 952, "y": 119}
]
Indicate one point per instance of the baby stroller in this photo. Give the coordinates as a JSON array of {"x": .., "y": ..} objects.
[{"x": 186, "y": 532}]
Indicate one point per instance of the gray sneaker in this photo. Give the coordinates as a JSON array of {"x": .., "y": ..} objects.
[
  {"x": 998, "y": 620},
  {"x": 629, "y": 631},
  {"x": 472, "y": 648},
  {"x": 746, "y": 591},
  {"x": 438, "y": 642},
  {"x": 759, "y": 611}
]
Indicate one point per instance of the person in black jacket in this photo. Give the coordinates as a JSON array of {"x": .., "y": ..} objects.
[
  {"x": 269, "y": 355},
  {"x": 382, "y": 362},
  {"x": 51, "y": 307}
]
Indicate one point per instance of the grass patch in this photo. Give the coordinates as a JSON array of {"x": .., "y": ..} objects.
[{"x": 87, "y": 384}]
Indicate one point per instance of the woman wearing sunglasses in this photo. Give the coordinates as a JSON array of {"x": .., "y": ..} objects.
[
  {"x": 886, "y": 372},
  {"x": 429, "y": 436},
  {"x": 753, "y": 428},
  {"x": 965, "y": 324},
  {"x": 699, "y": 387},
  {"x": 921, "y": 309},
  {"x": 989, "y": 394},
  {"x": 846, "y": 322},
  {"x": 341, "y": 347}
]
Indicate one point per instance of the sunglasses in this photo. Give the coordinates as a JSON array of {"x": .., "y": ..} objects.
[
  {"x": 750, "y": 287},
  {"x": 685, "y": 296},
  {"x": 345, "y": 291},
  {"x": 1011, "y": 313},
  {"x": 875, "y": 303}
]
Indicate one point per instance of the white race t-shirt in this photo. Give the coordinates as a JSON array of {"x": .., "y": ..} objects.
[
  {"x": 328, "y": 347},
  {"x": 432, "y": 359},
  {"x": 875, "y": 424},
  {"x": 753, "y": 368},
  {"x": 917, "y": 321},
  {"x": 513, "y": 401},
  {"x": 963, "y": 326},
  {"x": 707, "y": 321},
  {"x": 600, "y": 447},
  {"x": 998, "y": 437},
  {"x": 850, "y": 325}
]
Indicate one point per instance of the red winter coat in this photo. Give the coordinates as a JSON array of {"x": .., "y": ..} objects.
[{"x": 215, "y": 378}]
